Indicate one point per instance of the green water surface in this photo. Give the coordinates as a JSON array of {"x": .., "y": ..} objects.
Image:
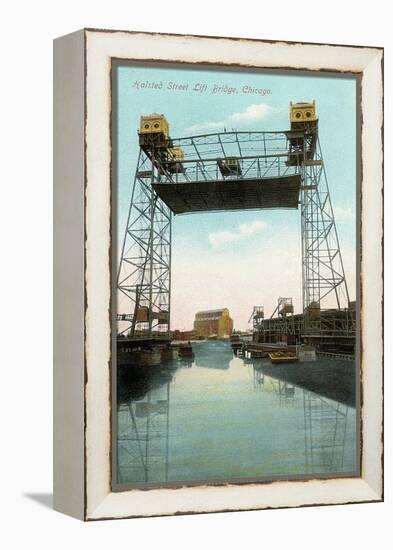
[{"x": 220, "y": 418}]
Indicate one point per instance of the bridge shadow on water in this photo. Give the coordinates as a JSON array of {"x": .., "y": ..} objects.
[
  {"x": 332, "y": 378},
  {"x": 135, "y": 382}
]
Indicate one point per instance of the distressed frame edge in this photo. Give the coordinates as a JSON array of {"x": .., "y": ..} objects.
[
  {"x": 357, "y": 492},
  {"x": 375, "y": 492}
]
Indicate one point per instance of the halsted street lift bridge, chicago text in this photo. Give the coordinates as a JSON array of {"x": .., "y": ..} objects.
[{"x": 234, "y": 171}]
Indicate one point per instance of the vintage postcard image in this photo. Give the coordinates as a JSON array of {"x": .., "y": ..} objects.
[{"x": 235, "y": 275}]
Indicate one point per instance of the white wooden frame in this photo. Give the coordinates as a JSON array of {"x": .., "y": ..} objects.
[{"x": 82, "y": 386}]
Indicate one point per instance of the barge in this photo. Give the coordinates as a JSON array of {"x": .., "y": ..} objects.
[{"x": 279, "y": 357}]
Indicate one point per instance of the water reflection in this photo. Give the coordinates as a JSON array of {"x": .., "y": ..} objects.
[
  {"x": 220, "y": 417},
  {"x": 285, "y": 391},
  {"x": 206, "y": 357},
  {"x": 258, "y": 378},
  {"x": 324, "y": 420},
  {"x": 325, "y": 427},
  {"x": 143, "y": 438},
  {"x": 186, "y": 363}
]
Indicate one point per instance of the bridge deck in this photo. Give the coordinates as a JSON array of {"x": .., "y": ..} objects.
[{"x": 230, "y": 194}]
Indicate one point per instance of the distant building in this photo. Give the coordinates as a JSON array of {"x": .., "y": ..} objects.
[
  {"x": 213, "y": 321},
  {"x": 185, "y": 335}
]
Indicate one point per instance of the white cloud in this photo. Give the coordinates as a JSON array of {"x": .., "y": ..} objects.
[
  {"x": 253, "y": 113},
  {"x": 256, "y": 111},
  {"x": 250, "y": 228},
  {"x": 343, "y": 214},
  {"x": 244, "y": 230}
]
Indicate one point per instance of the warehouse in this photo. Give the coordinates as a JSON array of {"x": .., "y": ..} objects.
[{"x": 213, "y": 322}]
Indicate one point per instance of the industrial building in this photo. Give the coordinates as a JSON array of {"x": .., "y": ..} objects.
[
  {"x": 214, "y": 322},
  {"x": 184, "y": 335}
]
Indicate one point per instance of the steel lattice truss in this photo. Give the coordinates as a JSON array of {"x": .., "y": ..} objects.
[
  {"x": 323, "y": 271},
  {"x": 144, "y": 276},
  {"x": 144, "y": 272},
  {"x": 261, "y": 155}
]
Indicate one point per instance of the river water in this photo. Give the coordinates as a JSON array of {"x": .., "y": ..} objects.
[{"x": 220, "y": 418}]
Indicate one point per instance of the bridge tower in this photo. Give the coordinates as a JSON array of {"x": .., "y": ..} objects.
[
  {"x": 144, "y": 276},
  {"x": 324, "y": 283}
]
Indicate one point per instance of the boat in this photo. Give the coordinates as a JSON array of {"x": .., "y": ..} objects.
[
  {"x": 185, "y": 351},
  {"x": 278, "y": 357}
]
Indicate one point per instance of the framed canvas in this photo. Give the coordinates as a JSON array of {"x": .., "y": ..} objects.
[{"x": 218, "y": 255}]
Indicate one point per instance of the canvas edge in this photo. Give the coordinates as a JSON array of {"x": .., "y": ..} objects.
[
  {"x": 372, "y": 485},
  {"x": 372, "y": 282},
  {"x": 68, "y": 274}
]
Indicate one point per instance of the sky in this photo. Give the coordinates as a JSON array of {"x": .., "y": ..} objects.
[{"x": 244, "y": 258}]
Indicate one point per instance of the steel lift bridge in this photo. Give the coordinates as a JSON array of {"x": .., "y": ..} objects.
[{"x": 235, "y": 170}]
